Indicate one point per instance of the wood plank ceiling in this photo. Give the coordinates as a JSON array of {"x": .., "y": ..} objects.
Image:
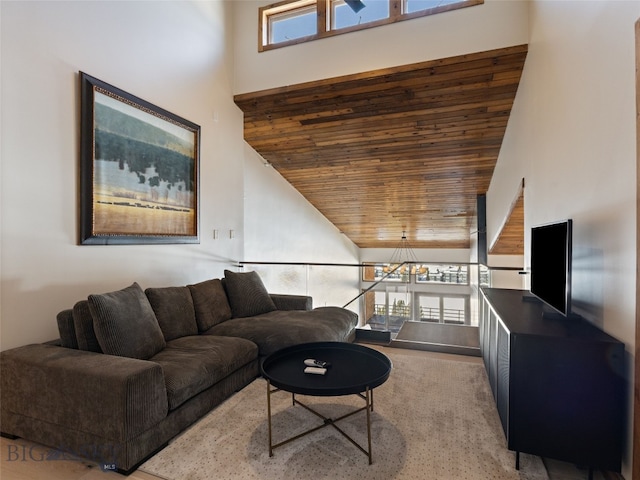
[
  {"x": 407, "y": 148},
  {"x": 511, "y": 238}
]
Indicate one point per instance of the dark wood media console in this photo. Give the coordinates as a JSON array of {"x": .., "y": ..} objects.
[{"x": 558, "y": 383}]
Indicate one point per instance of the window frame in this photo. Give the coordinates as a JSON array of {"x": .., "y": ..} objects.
[
  {"x": 281, "y": 9},
  {"x": 412, "y": 310},
  {"x": 331, "y": 8},
  {"x": 324, "y": 21},
  {"x": 442, "y": 311}
]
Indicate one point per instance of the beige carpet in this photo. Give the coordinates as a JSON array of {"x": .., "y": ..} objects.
[{"x": 433, "y": 419}]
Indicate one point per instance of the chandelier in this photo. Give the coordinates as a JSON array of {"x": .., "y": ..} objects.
[{"x": 403, "y": 259}]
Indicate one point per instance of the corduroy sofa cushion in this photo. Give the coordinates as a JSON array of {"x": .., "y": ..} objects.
[
  {"x": 110, "y": 398},
  {"x": 193, "y": 364},
  {"x": 174, "y": 310},
  {"x": 247, "y": 294},
  {"x": 210, "y": 303},
  {"x": 275, "y": 330},
  {"x": 125, "y": 324}
]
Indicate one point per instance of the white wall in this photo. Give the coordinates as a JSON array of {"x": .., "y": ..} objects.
[
  {"x": 572, "y": 137},
  {"x": 281, "y": 226},
  {"x": 495, "y": 24},
  {"x": 172, "y": 54}
]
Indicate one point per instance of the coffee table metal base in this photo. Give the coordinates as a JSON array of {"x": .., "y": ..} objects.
[{"x": 367, "y": 397}]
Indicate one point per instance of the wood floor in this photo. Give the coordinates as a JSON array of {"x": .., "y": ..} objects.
[{"x": 23, "y": 460}]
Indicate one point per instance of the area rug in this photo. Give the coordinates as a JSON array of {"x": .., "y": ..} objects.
[{"x": 433, "y": 419}]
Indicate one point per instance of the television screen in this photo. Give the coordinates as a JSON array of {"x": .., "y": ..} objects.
[{"x": 551, "y": 264}]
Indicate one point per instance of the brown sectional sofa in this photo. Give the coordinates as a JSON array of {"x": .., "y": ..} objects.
[{"x": 132, "y": 369}]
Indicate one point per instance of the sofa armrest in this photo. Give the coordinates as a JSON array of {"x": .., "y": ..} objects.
[
  {"x": 292, "y": 302},
  {"x": 104, "y": 395}
]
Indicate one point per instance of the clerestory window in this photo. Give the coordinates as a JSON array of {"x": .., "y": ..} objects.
[{"x": 295, "y": 21}]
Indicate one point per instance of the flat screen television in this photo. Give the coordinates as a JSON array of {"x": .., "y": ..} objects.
[{"x": 551, "y": 264}]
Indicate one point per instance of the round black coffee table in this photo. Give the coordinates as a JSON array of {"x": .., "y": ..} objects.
[{"x": 354, "y": 370}]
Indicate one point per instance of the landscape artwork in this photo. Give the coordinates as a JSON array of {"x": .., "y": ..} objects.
[{"x": 139, "y": 170}]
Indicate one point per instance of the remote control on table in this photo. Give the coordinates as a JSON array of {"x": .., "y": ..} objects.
[
  {"x": 315, "y": 370},
  {"x": 310, "y": 362}
]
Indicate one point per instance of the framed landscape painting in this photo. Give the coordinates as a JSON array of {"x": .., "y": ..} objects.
[{"x": 139, "y": 170}]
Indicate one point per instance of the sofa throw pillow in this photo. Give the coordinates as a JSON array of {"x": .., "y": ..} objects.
[
  {"x": 125, "y": 324},
  {"x": 83, "y": 324},
  {"x": 210, "y": 302},
  {"x": 247, "y": 294},
  {"x": 173, "y": 307}
]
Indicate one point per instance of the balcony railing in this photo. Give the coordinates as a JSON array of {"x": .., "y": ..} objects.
[
  {"x": 426, "y": 314},
  {"x": 394, "y": 316}
]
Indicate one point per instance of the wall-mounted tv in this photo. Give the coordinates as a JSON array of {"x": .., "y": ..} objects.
[{"x": 551, "y": 264}]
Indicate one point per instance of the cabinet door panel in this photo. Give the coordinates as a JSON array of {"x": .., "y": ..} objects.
[
  {"x": 562, "y": 398},
  {"x": 502, "y": 377},
  {"x": 493, "y": 363}
]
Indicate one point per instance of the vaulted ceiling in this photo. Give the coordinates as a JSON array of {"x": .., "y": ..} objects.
[{"x": 406, "y": 148}]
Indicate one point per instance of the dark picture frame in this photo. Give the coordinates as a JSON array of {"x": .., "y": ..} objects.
[{"x": 139, "y": 170}]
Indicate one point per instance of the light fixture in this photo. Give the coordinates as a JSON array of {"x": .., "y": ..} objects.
[
  {"x": 403, "y": 254},
  {"x": 356, "y": 5}
]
